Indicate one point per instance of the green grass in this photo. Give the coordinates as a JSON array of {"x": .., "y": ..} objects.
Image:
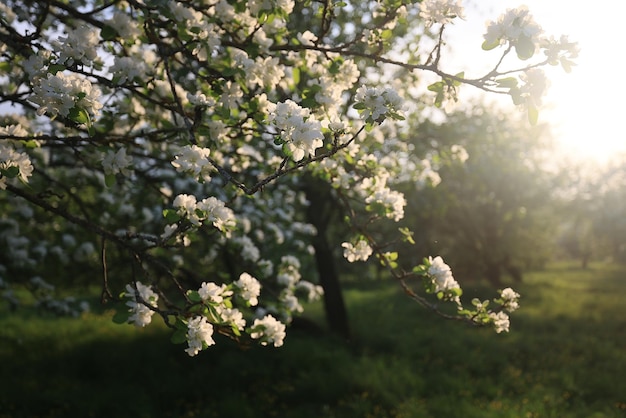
[{"x": 565, "y": 357}]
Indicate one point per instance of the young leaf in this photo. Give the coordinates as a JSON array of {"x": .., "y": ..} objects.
[
  {"x": 109, "y": 180},
  {"x": 121, "y": 317},
  {"x": 179, "y": 336},
  {"x": 108, "y": 33}
]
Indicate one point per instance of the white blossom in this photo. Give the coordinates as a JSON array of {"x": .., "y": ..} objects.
[
  {"x": 249, "y": 251},
  {"x": 59, "y": 93},
  {"x": 441, "y": 274},
  {"x": 510, "y": 299},
  {"x": 127, "y": 69},
  {"x": 115, "y": 162},
  {"x": 199, "y": 335},
  {"x": 500, "y": 321},
  {"x": 218, "y": 214},
  {"x": 375, "y": 103},
  {"x": 360, "y": 251},
  {"x": 11, "y": 158},
  {"x": 249, "y": 288},
  {"x": 440, "y": 11},
  {"x": 78, "y": 46},
  {"x": 125, "y": 26},
  {"x": 193, "y": 159},
  {"x": 269, "y": 330},
  {"x": 233, "y": 317},
  {"x": 211, "y": 292},
  {"x": 301, "y": 132},
  {"x": 534, "y": 87},
  {"x": 310, "y": 290},
  {"x": 517, "y": 27},
  {"x": 141, "y": 315}
]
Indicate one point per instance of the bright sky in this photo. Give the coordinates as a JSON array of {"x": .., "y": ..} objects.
[{"x": 586, "y": 107}]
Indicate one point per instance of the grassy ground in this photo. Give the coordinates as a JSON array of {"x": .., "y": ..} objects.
[{"x": 565, "y": 357}]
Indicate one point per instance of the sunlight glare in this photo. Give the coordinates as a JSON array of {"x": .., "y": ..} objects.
[{"x": 585, "y": 106}]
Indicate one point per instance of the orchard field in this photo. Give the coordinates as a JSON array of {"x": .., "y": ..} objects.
[{"x": 564, "y": 357}]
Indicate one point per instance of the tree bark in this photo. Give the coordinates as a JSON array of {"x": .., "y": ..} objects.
[{"x": 319, "y": 214}]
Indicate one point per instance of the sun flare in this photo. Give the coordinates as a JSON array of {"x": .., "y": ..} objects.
[{"x": 584, "y": 107}]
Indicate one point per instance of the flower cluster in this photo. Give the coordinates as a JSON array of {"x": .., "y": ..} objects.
[
  {"x": 13, "y": 163},
  {"x": 360, "y": 251},
  {"x": 392, "y": 202},
  {"x": 441, "y": 275},
  {"x": 509, "y": 299},
  {"x": 375, "y": 104},
  {"x": 60, "y": 94},
  {"x": 516, "y": 27},
  {"x": 79, "y": 46},
  {"x": 210, "y": 210},
  {"x": 299, "y": 130},
  {"x": 199, "y": 335},
  {"x": 249, "y": 289},
  {"x": 256, "y": 6},
  {"x": 268, "y": 330},
  {"x": 142, "y": 299},
  {"x": 127, "y": 69},
  {"x": 192, "y": 159},
  {"x": 441, "y": 11},
  {"x": 115, "y": 162}
]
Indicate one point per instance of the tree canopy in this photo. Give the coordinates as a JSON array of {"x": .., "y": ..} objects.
[{"x": 161, "y": 149}]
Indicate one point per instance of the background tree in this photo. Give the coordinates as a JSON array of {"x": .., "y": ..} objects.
[{"x": 493, "y": 214}]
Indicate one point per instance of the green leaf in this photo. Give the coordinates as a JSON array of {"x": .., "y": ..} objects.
[
  {"x": 566, "y": 64},
  {"x": 533, "y": 115},
  {"x": 10, "y": 172},
  {"x": 489, "y": 46},
  {"x": 5, "y": 67},
  {"x": 194, "y": 296},
  {"x": 55, "y": 68},
  {"x": 31, "y": 144},
  {"x": 508, "y": 82},
  {"x": 235, "y": 330},
  {"x": 287, "y": 151},
  {"x": 79, "y": 115},
  {"x": 121, "y": 317},
  {"x": 460, "y": 75},
  {"x": 525, "y": 47},
  {"x": 436, "y": 87},
  {"x": 109, "y": 180},
  {"x": 108, "y": 33},
  {"x": 456, "y": 291},
  {"x": 171, "y": 216},
  {"x": 179, "y": 337},
  {"x": 407, "y": 235},
  {"x": 295, "y": 73}
]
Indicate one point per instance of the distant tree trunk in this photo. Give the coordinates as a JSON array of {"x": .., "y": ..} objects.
[
  {"x": 493, "y": 273},
  {"x": 319, "y": 213},
  {"x": 584, "y": 262},
  {"x": 514, "y": 271}
]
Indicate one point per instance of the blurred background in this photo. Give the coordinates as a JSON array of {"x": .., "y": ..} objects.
[{"x": 539, "y": 208}]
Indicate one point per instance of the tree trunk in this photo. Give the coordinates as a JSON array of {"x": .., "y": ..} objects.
[
  {"x": 493, "y": 273},
  {"x": 319, "y": 213}
]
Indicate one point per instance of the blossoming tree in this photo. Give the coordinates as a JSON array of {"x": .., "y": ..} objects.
[{"x": 167, "y": 143}]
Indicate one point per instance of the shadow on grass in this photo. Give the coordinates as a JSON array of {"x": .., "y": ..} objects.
[{"x": 403, "y": 362}]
